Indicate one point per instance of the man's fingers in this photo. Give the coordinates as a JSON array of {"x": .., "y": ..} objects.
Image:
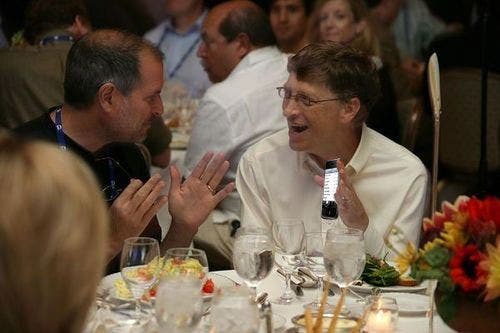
[
  {"x": 157, "y": 205},
  {"x": 130, "y": 190},
  {"x": 143, "y": 193},
  {"x": 212, "y": 168},
  {"x": 175, "y": 179},
  {"x": 201, "y": 166},
  {"x": 219, "y": 174},
  {"x": 320, "y": 180},
  {"x": 219, "y": 196}
]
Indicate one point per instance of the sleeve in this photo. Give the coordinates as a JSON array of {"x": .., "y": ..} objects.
[
  {"x": 408, "y": 223},
  {"x": 211, "y": 132},
  {"x": 255, "y": 207}
]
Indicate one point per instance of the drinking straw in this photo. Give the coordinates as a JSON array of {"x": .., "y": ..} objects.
[
  {"x": 318, "y": 325},
  {"x": 309, "y": 323}
]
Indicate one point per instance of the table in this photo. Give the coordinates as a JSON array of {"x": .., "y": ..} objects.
[{"x": 274, "y": 284}]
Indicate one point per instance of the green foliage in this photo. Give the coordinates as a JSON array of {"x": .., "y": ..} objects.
[{"x": 379, "y": 273}]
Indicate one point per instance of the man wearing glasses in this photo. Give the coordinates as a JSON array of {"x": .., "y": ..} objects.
[
  {"x": 326, "y": 100},
  {"x": 112, "y": 91}
]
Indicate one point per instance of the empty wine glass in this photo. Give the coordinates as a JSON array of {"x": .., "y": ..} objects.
[
  {"x": 288, "y": 237},
  {"x": 344, "y": 255},
  {"x": 253, "y": 257},
  {"x": 140, "y": 264},
  {"x": 315, "y": 245}
]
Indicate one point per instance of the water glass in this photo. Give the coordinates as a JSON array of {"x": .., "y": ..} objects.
[
  {"x": 179, "y": 304},
  {"x": 253, "y": 257},
  {"x": 234, "y": 311},
  {"x": 315, "y": 245},
  {"x": 288, "y": 235}
]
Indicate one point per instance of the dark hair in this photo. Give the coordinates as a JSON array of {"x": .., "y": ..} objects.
[
  {"x": 308, "y": 5},
  {"x": 250, "y": 20},
  {"x": 100, "y": 57},
  {"x": 344, "y": 70},
  {"x": 45, "y": 15}
]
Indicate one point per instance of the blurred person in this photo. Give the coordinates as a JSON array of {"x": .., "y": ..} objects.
[
  {"x": 289, "y": 21},
  {"x": 178, "y": 37},
  {"x": 112, "y": 94},
  {"x": 53, "y": 233},
  {"x": 347, "y": 22},
  {"x": 239, "y": 56},
  {"x": 326, "y": 100},
  {"x": 31, "y": 74}
]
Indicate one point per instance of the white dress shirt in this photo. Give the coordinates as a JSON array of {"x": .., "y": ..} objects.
[
  {"x": 236, "y": 113},
  {"x": 276, "y": 182}
]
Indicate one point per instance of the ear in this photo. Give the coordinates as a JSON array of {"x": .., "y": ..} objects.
[
  {"x": 107, "y": 97},
  {"x": 79, "y": 28},
  {"x": 244, "y": 46},
  {"x": 360, "y": 27},
  {"x": 351, "y": 109}
]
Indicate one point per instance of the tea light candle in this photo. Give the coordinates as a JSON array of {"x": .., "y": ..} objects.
[{"x": 379, "y": 322}]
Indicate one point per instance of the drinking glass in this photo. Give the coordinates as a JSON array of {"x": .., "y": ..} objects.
[
  {"x": 233, "y": 311},
  {"x": 344, "y": 255},
  {"x": 185, "y": 261},
  {"x": 253, "y": 257},
  {"x": 288, "y": 237},
  {"x": 139, "y": 265},
  {"x": 179, "y": 304},
  {"x": 315, "y": 245}
]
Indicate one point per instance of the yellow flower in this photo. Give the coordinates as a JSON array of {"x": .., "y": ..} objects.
[
  {"x": 453, "y": 233},
  {"x": 406, "y": 258},
  {"x": 492, "y": 265}
]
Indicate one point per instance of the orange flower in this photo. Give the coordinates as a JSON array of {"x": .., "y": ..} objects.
[{"x": 491, "y": 264}]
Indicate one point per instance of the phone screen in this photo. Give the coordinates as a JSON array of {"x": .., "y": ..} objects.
[{"x": 329, "y": 206}]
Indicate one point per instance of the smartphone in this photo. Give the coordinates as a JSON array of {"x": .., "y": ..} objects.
[{"x": 328, "y": 205}]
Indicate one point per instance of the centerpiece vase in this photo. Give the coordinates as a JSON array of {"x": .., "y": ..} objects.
[{"x": 465, "y": 313}]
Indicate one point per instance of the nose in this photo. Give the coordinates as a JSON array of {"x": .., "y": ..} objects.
[
  {"x": 157, "y": 109},
  {"x": 290, "y": 107},
  {"x": 282, "y": 15}
]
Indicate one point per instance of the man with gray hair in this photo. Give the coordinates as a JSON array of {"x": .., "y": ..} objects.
[
  {"x": 112, "y": 91},
  {"x": 238, "y": 53},
  {"x": 326, "y": 101}
]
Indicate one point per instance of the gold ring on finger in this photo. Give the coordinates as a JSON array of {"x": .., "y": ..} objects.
[{"x": 210, "y": 189}]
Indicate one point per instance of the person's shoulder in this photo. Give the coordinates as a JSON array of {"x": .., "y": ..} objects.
[
  {"x": 394, "y": 153},
  {"x": 38, "y": 128},
  {"x": 154, "y": 34},
  {"x": 270, "y": 146}
]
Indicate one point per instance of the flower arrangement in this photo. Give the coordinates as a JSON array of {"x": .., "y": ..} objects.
[{"x": 461, "y": 249}]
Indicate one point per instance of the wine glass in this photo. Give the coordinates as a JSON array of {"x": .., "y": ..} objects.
[
  {"x": 139, "y": 265},
  {"x": 344, "y": 255},
  {"x": 288, "y": 237},
  {"x": 185, "y": 261},
  {"x": 315, "y": 245},
  {"x": 253, "y": 257}
]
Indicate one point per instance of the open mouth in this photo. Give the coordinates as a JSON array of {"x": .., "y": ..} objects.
[{"x": 298, "y": 128}]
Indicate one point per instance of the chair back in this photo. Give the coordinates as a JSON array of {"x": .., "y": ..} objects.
[{"x": 460, "y": 137}]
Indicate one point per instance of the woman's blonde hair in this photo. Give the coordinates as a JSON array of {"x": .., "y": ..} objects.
[
  {"x": 366, "y": 41},
  {"x": 53, "y": 231}
]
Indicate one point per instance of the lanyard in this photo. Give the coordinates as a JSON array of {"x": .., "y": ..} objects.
[
  {"x": 56, "y": 38},
  {"x": 184, "y": 56},
  {"x": 61, "y": 140}
]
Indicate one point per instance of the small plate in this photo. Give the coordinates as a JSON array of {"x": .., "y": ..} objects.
[
  {"x": 366, "y": 288},
  {"x": 344, "y": 324},
  {"x": 410, "y": 304}
]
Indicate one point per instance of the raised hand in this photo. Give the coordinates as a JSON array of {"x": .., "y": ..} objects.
[{"x": 133, "y": 209}]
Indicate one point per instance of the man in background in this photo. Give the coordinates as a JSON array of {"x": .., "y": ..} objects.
[
  {"x": 241, "y": 108},
  {"x": 178, "y": 37}
]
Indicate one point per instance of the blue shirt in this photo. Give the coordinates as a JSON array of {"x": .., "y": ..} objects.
[{"x": 181, "y": 63}]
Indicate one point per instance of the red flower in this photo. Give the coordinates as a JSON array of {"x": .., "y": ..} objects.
[{"x": 464, "y": 268}]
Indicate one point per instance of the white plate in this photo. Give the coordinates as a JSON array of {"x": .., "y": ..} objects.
[
  {"x": 410, "y": 304},
  {"x": 107, "y": 283},
  {"x": 367, "y": 288}
]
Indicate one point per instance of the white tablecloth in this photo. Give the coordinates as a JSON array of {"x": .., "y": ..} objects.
[{"x": 274, "y": 284}]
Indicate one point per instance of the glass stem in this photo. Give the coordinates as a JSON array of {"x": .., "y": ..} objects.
[
  {"x": 320, "y": 290},
  {"x": 138, "y": 312},
  {"x": 287, "y": 294}
]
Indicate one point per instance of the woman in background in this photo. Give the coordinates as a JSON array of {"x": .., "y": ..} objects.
[
  {"x": 53, "y": 231},
  {"x": 347, "y": 22}
]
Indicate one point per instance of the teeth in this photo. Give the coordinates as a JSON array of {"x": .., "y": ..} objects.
[{"x": 299, "y": 129}]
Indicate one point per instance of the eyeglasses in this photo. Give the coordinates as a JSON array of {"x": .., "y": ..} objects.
[
  {"x": 113, "y": 177},
  {"x": 301, "y": 99}
]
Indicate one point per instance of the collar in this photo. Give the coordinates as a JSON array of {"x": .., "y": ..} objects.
[
  {"x": 196, "y": 27},
  {"x": 53, "y": 32},
  {"x": 255, "y": 56},
  {"x": 306, "y": 163}
]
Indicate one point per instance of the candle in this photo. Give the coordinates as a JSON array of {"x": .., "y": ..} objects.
[{"x": 379, "y": 322}]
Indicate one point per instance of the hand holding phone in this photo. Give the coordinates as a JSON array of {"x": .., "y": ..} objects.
[{"x": 329, "y": 206}]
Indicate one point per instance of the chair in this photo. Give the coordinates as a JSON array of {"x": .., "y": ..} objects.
[{"x": 460, "y": 141}]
